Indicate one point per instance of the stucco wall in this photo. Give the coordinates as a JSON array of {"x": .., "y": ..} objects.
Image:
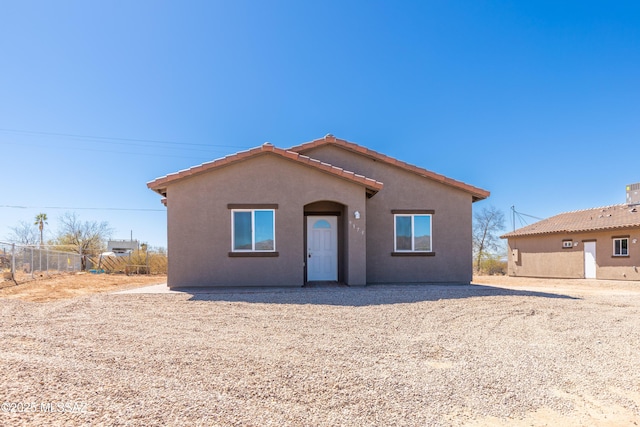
[
  {"x": 451, "y": 224},
  {"x": 199, "y": 223},
  {"x": 544, "y": 256}
]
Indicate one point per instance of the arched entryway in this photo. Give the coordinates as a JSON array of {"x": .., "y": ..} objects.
[{"x": 324, "y": 242}]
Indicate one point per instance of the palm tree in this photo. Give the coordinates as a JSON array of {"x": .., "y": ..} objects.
[{"x": 41, "y": 220}]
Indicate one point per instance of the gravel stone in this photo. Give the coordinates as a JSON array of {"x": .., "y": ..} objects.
[{"x": 422, "y": 355}]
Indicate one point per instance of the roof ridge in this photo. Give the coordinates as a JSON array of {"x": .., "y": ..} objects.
[
  {"x": 587, "y": 209},
  {"x": 608, "y": 217},
  {"x": 477, "y": 193}
]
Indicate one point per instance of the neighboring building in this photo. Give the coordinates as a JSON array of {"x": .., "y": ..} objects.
[
  {"x": 122, "y": 247},
  {"x": 599, "y": 243},
  {"x": 327, "y": 210}
]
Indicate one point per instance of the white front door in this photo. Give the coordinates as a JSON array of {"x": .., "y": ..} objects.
[
  {"x": 322, "y": 248},
  {"x": 589, "y": 260}
]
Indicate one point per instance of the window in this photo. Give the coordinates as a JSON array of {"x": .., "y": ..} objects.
[
  {"x": 253, "y": 230},
  {"x": 621, "y": 246},
  {"x": 412, "y": 233}
]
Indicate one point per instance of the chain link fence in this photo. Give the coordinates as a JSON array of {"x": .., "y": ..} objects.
[{"x": 19, "y": 263}]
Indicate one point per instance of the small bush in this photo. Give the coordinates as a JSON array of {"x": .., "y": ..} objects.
[
  {"x": 138, "y": 262},
  {"x": 493, "y": 266}
]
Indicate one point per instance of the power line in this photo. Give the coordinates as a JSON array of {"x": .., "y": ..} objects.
[
  {"x": 76, "y": 208},
  {"x": 157, "y": 145},
  {"x": 106, "y": 138},
  {"x": 520, "y": 215},
  {"x": 97, "y": 150},
  {"x": 530, "y": 216},
  {"x": 154, "y": 145}
]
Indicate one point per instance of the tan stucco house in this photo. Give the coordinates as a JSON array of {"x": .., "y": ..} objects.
[
  {"x": 326, "y": 210},
  {"x": 598, "y": 243}
]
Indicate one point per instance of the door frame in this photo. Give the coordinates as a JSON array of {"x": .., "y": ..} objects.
[{"x": 339, "y": 242}]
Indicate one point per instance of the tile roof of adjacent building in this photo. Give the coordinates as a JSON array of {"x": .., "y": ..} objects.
[
  {"x": 159, "y": 185},
  {"x": 477, "y": 193},
  {"x": 596, "y": 219}
]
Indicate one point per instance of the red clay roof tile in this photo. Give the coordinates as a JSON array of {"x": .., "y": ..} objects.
[
  {"x": 160, "y": 184},
  {"x": 596, "y": 219},
  {"x": 476, "y": 193}
]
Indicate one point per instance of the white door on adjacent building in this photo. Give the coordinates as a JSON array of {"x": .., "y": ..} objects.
[
  {"x": 322, "y": 248},
  {"x": 589, "y": 260}
]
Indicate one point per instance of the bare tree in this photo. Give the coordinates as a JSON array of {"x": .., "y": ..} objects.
[
  {"x": 23, "y": 233},
  {"x": 487, "y": 223},
  {"x": 86, "y": 238}
]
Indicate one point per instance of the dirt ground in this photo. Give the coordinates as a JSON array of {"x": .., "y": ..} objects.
[
  {"x": 504, "y": 352},
  {"x": 71, "y": 285},
  {"x": 578, "y": 286},
  {"x": 64, "y": 286}
]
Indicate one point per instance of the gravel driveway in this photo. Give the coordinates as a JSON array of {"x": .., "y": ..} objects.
[{"x": 397, "y": 355}]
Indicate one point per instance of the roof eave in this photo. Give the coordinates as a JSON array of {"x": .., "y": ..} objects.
[
  {"x": 584, "y": 230},
  {"x": 477, "y": 197},
  {"x": 372, "y": 186}
]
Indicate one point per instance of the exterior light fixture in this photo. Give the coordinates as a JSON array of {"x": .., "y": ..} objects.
[{"x": 356, "y": 215}]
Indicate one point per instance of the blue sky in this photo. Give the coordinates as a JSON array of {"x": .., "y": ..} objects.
[{"x": 535, "y": 101}]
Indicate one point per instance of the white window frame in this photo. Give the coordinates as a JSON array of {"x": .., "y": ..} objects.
[
  {"x": 620, "y": 239},
  {"x": 413, "y": 233},
  {"x": 253, "y": 230}
]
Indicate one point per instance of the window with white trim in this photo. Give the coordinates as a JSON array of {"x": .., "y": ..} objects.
[
  {"x": 253, "y": 230},
  {"x": 621, "y": 246},
  {"x": 412, "y": 233}
]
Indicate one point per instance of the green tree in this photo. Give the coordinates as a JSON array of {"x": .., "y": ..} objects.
[
  {"x": 487, "y": 223},
  {"x": 41, "y": 220}
]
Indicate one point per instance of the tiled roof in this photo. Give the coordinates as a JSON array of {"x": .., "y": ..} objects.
[
  {"x": 159, "y": 185},
  {"x": 604, "y": 218},
  {"x": 477, "y": 193}
]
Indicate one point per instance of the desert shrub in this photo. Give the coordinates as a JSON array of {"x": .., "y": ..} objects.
[
  {"x": 493, "y": 266},
  {"x": 157, "y": 263},
  {"x": 137, "y": 262}
]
